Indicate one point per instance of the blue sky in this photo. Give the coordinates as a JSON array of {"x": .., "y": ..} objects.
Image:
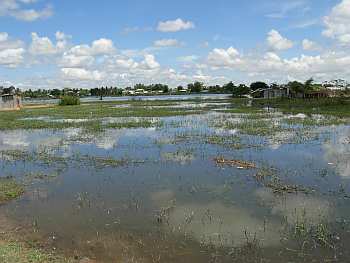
[{"x": 51, "y": 43}]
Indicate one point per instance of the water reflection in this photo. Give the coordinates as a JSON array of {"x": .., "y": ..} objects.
[{"x": 337, "y": 152}]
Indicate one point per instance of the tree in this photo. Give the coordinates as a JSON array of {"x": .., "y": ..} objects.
[
  {"x": 196, "y": 87},
  {"x": 240, "y": 91},
  {"x": 296, "y": 87},
  {"x": 308, "y": 86},
  {"x": 180, "y": 88},
  {"x": 229, "y": 87},
  {"x": 258, "y": 85},
  {"x": 55, "y": 92},
  {"x": 165, "y": 88}
]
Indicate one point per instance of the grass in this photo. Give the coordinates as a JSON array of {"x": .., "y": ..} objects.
[
  {"x": 339, "y": 107},
  {"x": 16, "y": 252},
  {"x": 231, "y": 141},
  {"x": 312, "y": 121},
  {"x": 44, "y": 158},
  {"x": 9, "y": 189},
  {"x": 90, "y": 113},
  {"x": 257, "y": 127},
  {"x": 69, "y": 101}
]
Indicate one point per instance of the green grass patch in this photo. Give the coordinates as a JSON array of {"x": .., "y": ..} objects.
[
  {"x": 15, "y": 252},
  {"x": 327, "y": 106},
  {"x": 85, "y": 115},
  {"x": 9, "y": 190},
  {"x": 255, "y": 127},
  {"x": 312, "y": 121},
  {"x": 69, "y": 101}
]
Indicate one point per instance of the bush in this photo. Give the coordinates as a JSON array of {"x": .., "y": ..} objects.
[{"x": 69, "y": 100}]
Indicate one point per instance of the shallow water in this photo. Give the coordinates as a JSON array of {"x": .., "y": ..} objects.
[
  {"x": 137, "y": 98},
  {"x": 157, "y": 195}
]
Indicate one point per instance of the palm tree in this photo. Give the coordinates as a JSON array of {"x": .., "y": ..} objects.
[{"x": 308, "y": 86}]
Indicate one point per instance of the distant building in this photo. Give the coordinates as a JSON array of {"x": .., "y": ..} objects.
[
  {"x": 128, "y": 92},
  {"x": 270, "y": 93},
  {"x": 139, "y": 92},
  {"x": 9, "y": 99},
  {"x": 338, "y": 84}
]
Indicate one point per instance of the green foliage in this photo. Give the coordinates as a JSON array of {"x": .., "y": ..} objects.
[
  {"x": 9, "y": 189},
  {"x": 308, "y": 86},
  {"x": 153, "y": 87},
  {"x": 240, "y": 91},
  {"x": 15, "y": 252},
  {"x": 339, "y": 107},
  {"x": 296, "y": 87},
  {"x": 258, "y": 85},
  {"x": 195, "y": 87},
  {"x": 55, "y": 117},
  {"x": 69, "y": 100}
]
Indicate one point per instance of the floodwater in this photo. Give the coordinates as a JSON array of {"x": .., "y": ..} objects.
[
  {"x": 158, "y": 195},
  {"x": 136, "y": 98}
]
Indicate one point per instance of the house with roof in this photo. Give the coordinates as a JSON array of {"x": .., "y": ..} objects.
[
  {"x": 271, "y": 93},
  {"x": 9, "y": 99}
]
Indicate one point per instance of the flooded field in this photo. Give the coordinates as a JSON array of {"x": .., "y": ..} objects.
[{"x": 203, "y": 180}]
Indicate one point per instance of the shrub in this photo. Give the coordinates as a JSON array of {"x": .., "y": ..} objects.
[{"x": 69, "y": 100}]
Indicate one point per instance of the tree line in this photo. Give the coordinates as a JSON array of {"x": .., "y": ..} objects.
[{"x": 239, "y": 90}]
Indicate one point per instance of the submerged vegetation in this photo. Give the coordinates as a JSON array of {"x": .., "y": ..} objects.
[{"x": 9, "y": 189}]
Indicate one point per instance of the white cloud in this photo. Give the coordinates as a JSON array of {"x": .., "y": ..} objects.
[
  {"x": 83, "y": 56},
  {"x": 271, "y": 67},
  {"x": 167, "y": 43},
  {"x": 224, "y": 58},
  {"x": 149, "y": 63},
  {"x": 98, "y": 47},
  {"x": 11, "y": 51},
  {"x": 337, "y": 23},
  {"x": 41, "y": 45},
  {"x": 72, "y": 61},
  {"x": 3, "y": 36},
  {"x": 16, "y": 9},
  {"x": 126, "y": 63},
  {"x": 102, "y": 46},
  {"x": 62, "y": 40},
  {"x": 32, "y": 15},
  {"x": 11, "y": 57},
  {"x": 175, "y": 25},
  {"x": 81, "y": 74},
  {"x": 81, "y": 50},
  {"x": 277, "y": 42},
  {"x": 310, "y": 45}
]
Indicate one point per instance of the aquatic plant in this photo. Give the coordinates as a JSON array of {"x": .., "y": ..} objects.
[
  {"x": 69, "y": 100},
  {"x": 10, "y": 189}
]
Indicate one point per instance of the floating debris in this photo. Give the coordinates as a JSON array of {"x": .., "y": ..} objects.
[{"x": 235, "y": 163}]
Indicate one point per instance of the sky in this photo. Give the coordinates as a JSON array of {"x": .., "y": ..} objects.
[{"x": 87, "y": 44}]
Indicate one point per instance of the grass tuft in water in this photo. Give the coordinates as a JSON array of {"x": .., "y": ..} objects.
[
  {"x": 10, "y": 189},
  {"x": 15, "y": 252}
]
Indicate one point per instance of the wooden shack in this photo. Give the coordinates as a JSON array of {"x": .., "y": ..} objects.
[{"x": 9, "y": 100}]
